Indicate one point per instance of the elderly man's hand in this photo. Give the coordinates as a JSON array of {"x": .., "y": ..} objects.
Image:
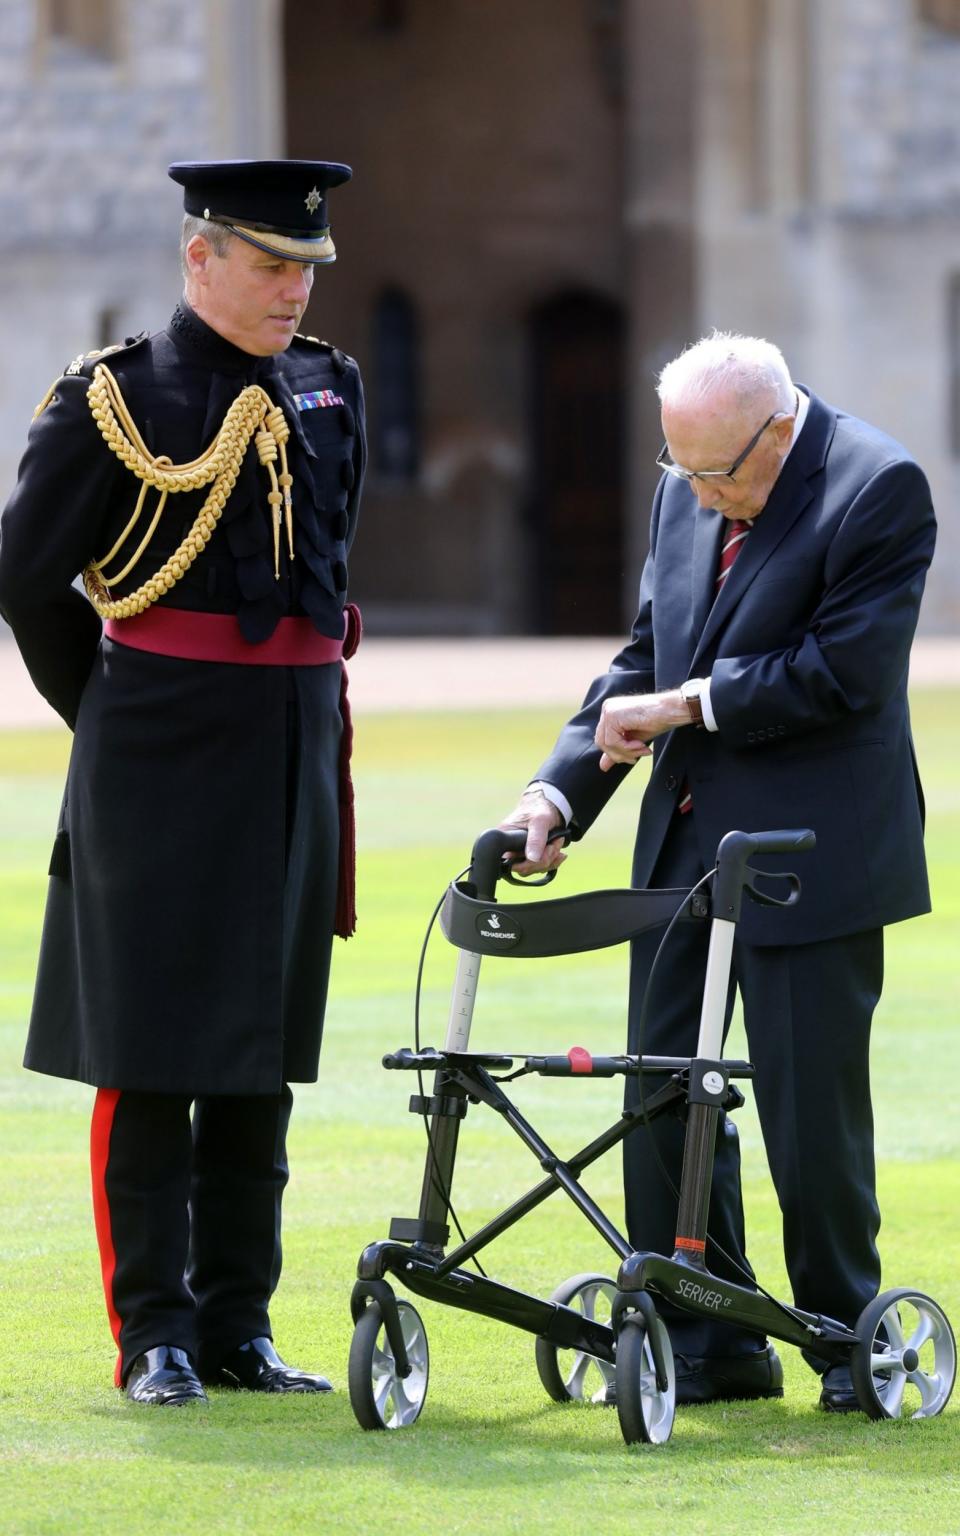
[
  {"x": 628, "y": 723},
  {"x": 539, "y": 815}
]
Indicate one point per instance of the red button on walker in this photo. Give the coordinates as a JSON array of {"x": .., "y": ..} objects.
[{"x": 580, "y": 1059}]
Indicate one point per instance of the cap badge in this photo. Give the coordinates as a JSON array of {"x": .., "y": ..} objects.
[{"x": 312, "y": 200}]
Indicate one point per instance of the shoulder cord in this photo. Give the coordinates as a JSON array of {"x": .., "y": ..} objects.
[{"x": 251, "y": 415}]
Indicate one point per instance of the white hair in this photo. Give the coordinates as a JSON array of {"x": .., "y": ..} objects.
[
  {"x": 217, "y": 236},
  {"x": 750, "y": 369}
]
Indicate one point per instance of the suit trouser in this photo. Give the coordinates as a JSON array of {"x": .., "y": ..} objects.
[
  {"x": 188, "y": 1218},
  {"x": 807, "y": 1015}
]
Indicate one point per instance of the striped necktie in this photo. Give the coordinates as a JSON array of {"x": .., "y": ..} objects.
[{"x": 733, "y": 541}]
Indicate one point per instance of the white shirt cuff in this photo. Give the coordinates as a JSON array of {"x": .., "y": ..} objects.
[
  {"x": 556, "y": 797},
  {"x": 709, "y": 718}
]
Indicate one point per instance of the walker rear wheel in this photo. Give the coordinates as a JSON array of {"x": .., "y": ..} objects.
[
  {"x": 571, "y": 1375},
  {"x": 645, "y": 1407},
  {"x": 380, "y": 1397},
  {"x": 904, "y": 1362}
]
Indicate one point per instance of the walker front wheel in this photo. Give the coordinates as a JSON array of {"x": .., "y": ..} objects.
[
  {"x": 645, "y": 1406},
  {"x": 904, "y": 1362},
  {"x": 380, "y": 1397},
  {"x": 570, "y": 1375}
]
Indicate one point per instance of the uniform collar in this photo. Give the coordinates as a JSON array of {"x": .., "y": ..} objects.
[{"x": 208, "y": 346}]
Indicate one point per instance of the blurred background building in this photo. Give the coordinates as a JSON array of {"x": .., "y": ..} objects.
[{"x": 551, "y": 197}]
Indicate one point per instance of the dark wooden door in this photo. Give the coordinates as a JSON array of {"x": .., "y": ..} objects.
[{"x": 576, "y": 502}]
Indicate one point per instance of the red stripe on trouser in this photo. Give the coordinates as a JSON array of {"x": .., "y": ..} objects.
[{"x": 101, "y": 1126}]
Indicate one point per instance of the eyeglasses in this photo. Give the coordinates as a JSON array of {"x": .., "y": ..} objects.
[{"x": 665, "y": 462}]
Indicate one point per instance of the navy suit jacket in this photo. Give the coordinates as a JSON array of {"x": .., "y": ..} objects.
[{"x": 807, "y": 649}]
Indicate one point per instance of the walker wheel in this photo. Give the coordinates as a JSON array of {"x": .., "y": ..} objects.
[
  {"x": 645, "y": 1409},
  {"x": 904, "y": 1362},
  {"x": 380, "y": 1397},
  {"x": 571, "y": 1375}
]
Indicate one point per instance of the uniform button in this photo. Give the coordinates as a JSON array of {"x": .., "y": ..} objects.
[
  {"x": 338, "y": 525},
  {"x": 751, "y": 736},
  {"x": 339, "y": 575},
  {"x": 671, "y": 781}
]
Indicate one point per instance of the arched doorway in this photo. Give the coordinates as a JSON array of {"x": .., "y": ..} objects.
[{"x": 576, "y": 501}]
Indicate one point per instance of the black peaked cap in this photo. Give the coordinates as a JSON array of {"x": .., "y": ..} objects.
[{"x": 278, "y": 205}]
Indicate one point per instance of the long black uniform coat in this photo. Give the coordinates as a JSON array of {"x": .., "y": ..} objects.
[
  {"x": 187, "y": 937},
  {"x": 807, "y": 649}
]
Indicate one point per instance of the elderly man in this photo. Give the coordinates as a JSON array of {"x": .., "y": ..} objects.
[
  {"x": 768, "y": 668},
  {"x": 206, "y": 481}
]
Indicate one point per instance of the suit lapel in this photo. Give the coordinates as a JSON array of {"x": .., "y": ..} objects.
[
  {"x": 789, "y": 498},
  {"x": 707, "y": 539}
]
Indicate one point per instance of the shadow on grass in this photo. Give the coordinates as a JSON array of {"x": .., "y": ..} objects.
[{"x": 520, "y": 1447}]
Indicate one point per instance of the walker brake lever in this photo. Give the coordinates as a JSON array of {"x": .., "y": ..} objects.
[
  {"x": 763, "y": 898},
  {"x": 506, "y": 872}
]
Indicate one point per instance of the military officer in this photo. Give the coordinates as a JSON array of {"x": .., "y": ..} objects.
[{"x": 205, "y": 480}]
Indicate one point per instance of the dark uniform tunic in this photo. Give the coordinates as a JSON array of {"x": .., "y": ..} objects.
[{"x": 187, "y": 937}]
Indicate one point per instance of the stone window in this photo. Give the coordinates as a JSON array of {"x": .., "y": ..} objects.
[
  {"x": 78, "y": 28},
  {"x": 944, "y": 14},
  {"x": 396, "y": 370}
]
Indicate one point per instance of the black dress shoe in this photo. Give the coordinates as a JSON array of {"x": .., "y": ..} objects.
[
  {"x": 257, "y": 1367},
  {"x": 838, "y": 1394},
  {"x": 728, "y": 1378},
  {"x": 164, "y": 1377}
]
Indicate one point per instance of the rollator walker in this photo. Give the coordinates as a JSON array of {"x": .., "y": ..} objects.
[{"x": 597, "y": 1338}]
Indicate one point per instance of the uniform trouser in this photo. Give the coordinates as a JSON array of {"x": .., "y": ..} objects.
[
  {"x": 188, "y": 1218},
  {"x": 807, "y": 1015}
]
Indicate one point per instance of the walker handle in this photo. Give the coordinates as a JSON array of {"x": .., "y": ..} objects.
[
  {"x": 796, "y": 840},
  {"x": 732, "y": 855},
  {"x": 487, "y": 859}
]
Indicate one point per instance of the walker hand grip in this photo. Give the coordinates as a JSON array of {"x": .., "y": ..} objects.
[
  {"x": 486, "y": 860},
  {"x": 732, "y": 855},
  {"x": 799, "y": 841}
]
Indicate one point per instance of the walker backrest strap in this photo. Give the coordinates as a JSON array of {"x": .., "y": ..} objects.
[{"x": 566, "y": 926}]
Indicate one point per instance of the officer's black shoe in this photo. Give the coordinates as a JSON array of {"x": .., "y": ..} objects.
[
  {"x": 838, "y": 1394},
  {"x": 728, "y": 1378},
  {"x": 257, "y": 1367},
  {"x": 164, "y": 1377}
]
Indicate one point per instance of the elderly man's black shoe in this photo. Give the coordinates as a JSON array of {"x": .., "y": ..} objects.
[
  {"x": 257, "y": 1367},
  {"x": 723, "y": 1379},
  {"x": 838, "y": 1394},
  {"x": 165, "y": 1378}
]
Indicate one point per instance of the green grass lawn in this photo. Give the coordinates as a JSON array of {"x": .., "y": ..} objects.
[{"x": 490, "y": 1450}]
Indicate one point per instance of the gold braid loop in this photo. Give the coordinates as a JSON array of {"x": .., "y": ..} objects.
[
  {"x": 276, "y": 431},
  {"x": 252, "y": 414}
]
